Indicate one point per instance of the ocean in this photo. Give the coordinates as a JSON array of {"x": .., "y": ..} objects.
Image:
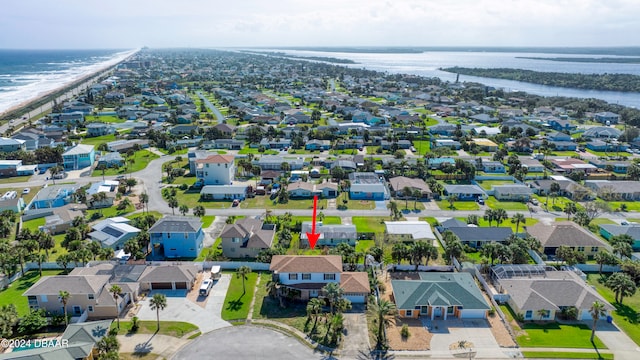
[
  {"x": 427, "y": 64},
  {"x": 28, "y": 74}
]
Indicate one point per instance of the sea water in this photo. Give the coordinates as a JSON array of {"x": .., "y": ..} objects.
[{"x": 28, "y": 74}]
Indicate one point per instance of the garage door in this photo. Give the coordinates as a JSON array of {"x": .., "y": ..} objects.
[
  {"x": 161, "y": 286},
  {"x": 181, "y": 285},
  {"x": 473, "y": 314}
]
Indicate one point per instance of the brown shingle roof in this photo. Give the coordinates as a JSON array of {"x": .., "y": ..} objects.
[
  {"x": 355, "y": 282},
  {"x": 398, "y": 183},
  {"x": 306, "y": 264},
  {"x": 217, "y": 159},
  {"x": 166, "y": 273},
  {"x": 565, "y": 233}
]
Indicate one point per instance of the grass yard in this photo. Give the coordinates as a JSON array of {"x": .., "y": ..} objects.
[
  {"x": 374, "y": 224},
  {"x": 362, "y": 246},
  {"x": 488, "y": 184},
  {"x": 423, "y": 146},
  {"x": 15, "y": 179},
  {"x": 328, "y": 220},
  {"x": 13, "y": 293},
  {"x": 170, "y": 328},
  {"x": 626, "y": 315},
  {"x": 174, "y": 152},
  {"x": 141, "y": 159},
  {"x": 264, "y": 202},
  {"x": 566, "y": 355},
  {"x": 236, "y": 303},
  {"x": 458, "y": 205},
  {"x": 494, "y": 203},
  {"x": 192, "y": 199},
  {"x": 210, "y": 252},
  {"x": 631, "y": 205},
  {"x": 95, "y": 141},
  {"x": 555, "y": 335},
  {"x": 110, "y": 211},
  {"x": 248, "y": 150},
  {"x": 207, "y": 220},
  {"x": 33, "y": 224}
]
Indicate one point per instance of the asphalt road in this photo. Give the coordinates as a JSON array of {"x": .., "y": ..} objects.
[
  {"x": 210, "y": 106},
  {"x": 259, "y": 344}
]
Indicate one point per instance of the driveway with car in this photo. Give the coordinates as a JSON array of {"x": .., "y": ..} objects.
[{"x": 179, "y": 308}]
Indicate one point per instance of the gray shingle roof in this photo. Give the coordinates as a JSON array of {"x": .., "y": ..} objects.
[
  {"x": 439, "y": 289},
  {"x": 464, "y": 189},
  {"x": 176, "y": 224},
  {"x": 565, "y": 233},
  {"x": 51, "y": 285},
  {"x": 471, "y": 233}
]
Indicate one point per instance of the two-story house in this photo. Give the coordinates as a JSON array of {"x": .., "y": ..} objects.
[
  {"x": 246, "y": 238},
  {"x": 79, "y": 157},
  {"x": 12, "y": 145},
  {"x": 305, "y": 276},
  {"x": 176, "y": 237},
  {"x": 215, "y": 170}
]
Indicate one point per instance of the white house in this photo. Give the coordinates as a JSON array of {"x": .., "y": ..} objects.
[{"x": 215, "y": 170}]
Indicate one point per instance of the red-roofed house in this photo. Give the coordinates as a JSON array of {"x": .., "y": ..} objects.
[{"x": 215, "y": 170}]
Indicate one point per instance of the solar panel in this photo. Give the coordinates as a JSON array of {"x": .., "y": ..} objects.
[{"x": 113, "y": 232}]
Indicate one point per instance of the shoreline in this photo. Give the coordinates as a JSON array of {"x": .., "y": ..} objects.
[{"x": 45, "y": 101}]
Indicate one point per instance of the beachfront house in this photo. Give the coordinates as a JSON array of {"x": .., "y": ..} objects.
[{"x": 79, "y": 157}]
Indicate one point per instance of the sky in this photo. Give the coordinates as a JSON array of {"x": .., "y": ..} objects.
[{"x": 76, "y": 24}]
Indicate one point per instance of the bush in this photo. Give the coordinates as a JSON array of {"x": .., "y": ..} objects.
[
  {"x": 405, "y": 331},
  {"x": 184, "y": 187},
  {"x": 32, "y": 322},
  {"x": 135, "y": 324},
  {"x": 492, "y": 312}
]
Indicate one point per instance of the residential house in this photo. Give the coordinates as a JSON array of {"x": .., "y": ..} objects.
[
  {"x": 126, "y": 145},
  {"x": 176, "y": 237},
  {"x": 618, "y": 167},
  {"x": 543, "y": 186},
  {"x": 330, "y": 234},
  {"x": 274, "y": 162},
  {"x": 367, "y": 186},
  {"x": 12, "y": 145},
  {"x": 77, "y": 106},
  {"x": 321, "y": 145},
  {"x": 440, "y": 296},
  {"x": 448, "y": 143},
  {"x": 493, "y": 167},
  {"x": 229, "y": 144},
  {"x": 399, "y": 183},
  {"x": 611, "y": 146},
  {"x": 99, "y": 129},
  {"x": 326, "y": 190},
  {"x": 112, "y": 159},
  {"x": 558, "y": 136},
  {"x": 477, "y": 236},
  {"x": 113, "y": 232},
  {"x": 246, "y": 238},
  {"x": 15, "y": 204},
  {"x": 607, "y": 117},
  {"x": 215, "y": 170},
  {"x": 465, "y": 192},
  {"x": 77, "y": 342},
  {"x": 623, "y": 190},
  {"x": 602, "y": 132},
  {"x": 59, "y": 220},
  {"x": 485, "y": 144},
  {"x": 305, "y": 276},
  {"x": 53, "y": 196},
  {"x": 223, "y": 192},
  {"x": 569, "y": 165},
  {"x": 33, "y": 140},
  {"x": 184, "y": 130},
  {"x": 484, "y": 118},
  {"x": 9, "y": 168},
  {"x": 560, "y": 124},
  {"x": 346, "y": 165},
  {"x": 532, "y": 165},
  {"x": 566, "y": 233},
  {"x": 543, "y": 295},
  {"x": 632, "y": 229},
  {"x": 410, "y": 230},
  {"x": 79, "y": 157},
  {"x": 487, "y": 131},
  {"x": 68, "y": 119},
  {"x": 169, "y": 277},
  {"x": 277, "y": 144},
  {"x": 300, "y": 189},
  {"x": 443, "y": 129},
  {"x": 515, "y": 192},
  {"x": 225, "y": 129}
]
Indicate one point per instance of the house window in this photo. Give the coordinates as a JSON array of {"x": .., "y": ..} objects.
[
  {"x": 90, "y": 296},
  {"x": 528, "y": 314},
  {"x": 329, "y": 276},
  {"x": 235, "y": 240},
  {"x": 306, "y": 276},
  {"x": 408, "y": 313},
  {"x": 581, "y": 248},
  {"x": 450, "y": 310},
  {"x": 90, "y": 308},
  {"x": 594, "y": 249},
  {"x": 186, "y": 235},
  {"x": 293, "y": 276},
  {"x": 168, "y": 235}
]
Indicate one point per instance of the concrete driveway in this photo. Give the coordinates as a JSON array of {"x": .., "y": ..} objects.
[
  {"x": 356, "y": 337},
  {"x": 621, "y": 345},
  {"x": 478, "y": 332},
  {"x": 246, "y": 342},
  {"x": 179, "y": 308}
]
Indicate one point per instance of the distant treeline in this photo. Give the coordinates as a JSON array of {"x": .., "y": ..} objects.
[
  {"x": 607, "y": 82},
  {"x": 362, "y": 50},
  {"x": 610, "y": 60},
  {"x": 317, "y": 58}
]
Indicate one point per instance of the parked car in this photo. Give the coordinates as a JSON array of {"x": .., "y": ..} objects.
[
  {"x": 26, "y": 191},
  {"x": 236, "y": 202},
  {"x": 206, "y": 286}
]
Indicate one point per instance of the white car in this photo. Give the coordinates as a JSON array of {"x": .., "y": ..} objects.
[
  {"x": 26, "y": 191},
  {"x": 206, "y": 286}
]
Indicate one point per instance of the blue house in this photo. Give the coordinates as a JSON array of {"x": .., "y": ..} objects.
[
  {"x": 99, "y": 129},
  {"x": 494, "y": 167},
  {"x": 560, "y": 124},
  {"x": 79, "y": 157},
  {"x": 465, "y": 192},
  {"x": 52, "y": 196},
  {"x": 176, "y": 237},
  {"x": 367, "y": 186},
  {"x": 317, "y": 145}
]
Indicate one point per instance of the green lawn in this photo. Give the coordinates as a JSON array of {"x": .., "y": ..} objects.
[
  {"x": 264, "y": 202},
  {"x": 207, "y": 220},
  {"x": 626, "y": 315},
  {"x": 33, "y": 224},
  {"x": 157, "y": 214},
  {"x": 13, "y": 294},
  {"x": 488, "y": 184},
  {"x": 141, "y": 159},
  {"x": 110, "y": 211},
  {"x": 110, "y": 119},
  {"x": 248, "y": 150},
  {"x": 236, "y": 303},
  {"x": 423, "y": 146},
  {"x": 15, "y": 179},
  {"x": 458, "y": 205},
  {"x": 374, "y": 224},
  {"x": 566, "y": 355},
  {"x": 174, "y": 152},
  {"x": 171, "y": 328},
  {"x": 494, "y": 203},
  {"x": 555, "y": 335},
  {"x": 363, "y": 246},
  {"x": 192, "y": 199},
  {"x": 328, "y": 220},
  {"x": 212, "y": 250},
  {"x": 98, "y": 140},
  {"x": 631, "y": 205},
  {"x": 559, "y": 205}
]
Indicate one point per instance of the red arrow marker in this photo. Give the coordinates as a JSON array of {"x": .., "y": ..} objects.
[{"x": 312, "y": 236}]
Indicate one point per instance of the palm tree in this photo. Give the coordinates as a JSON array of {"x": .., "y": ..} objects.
[
  {"x": 314, "y": 307},
  {"x": 333, "y": 292},
  {"x": 243, "y": 272},
  {"x": 199, "y": 211},
  {"x": 184, "y": 209},
  {"x": 64, "y": 296},
  {"x": 382, "y": 310},
  {"x": 597, "y": 311},
  {"x": 406, "y": 192},
  {"x": 172, "y": 202},
  {"x": 500, "y": 216},
  {"x": 517, "y": 219},
  {"x": 116, "y": 290},
  {"x": 158, "y": 302},
  {"x": 622, "y": 285},
  {"x": 144, "y": 200},
  {"x": 102, "y": 167},
  {"x": 55, "y": 171},
  {"x": 417, "y": 194}
]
